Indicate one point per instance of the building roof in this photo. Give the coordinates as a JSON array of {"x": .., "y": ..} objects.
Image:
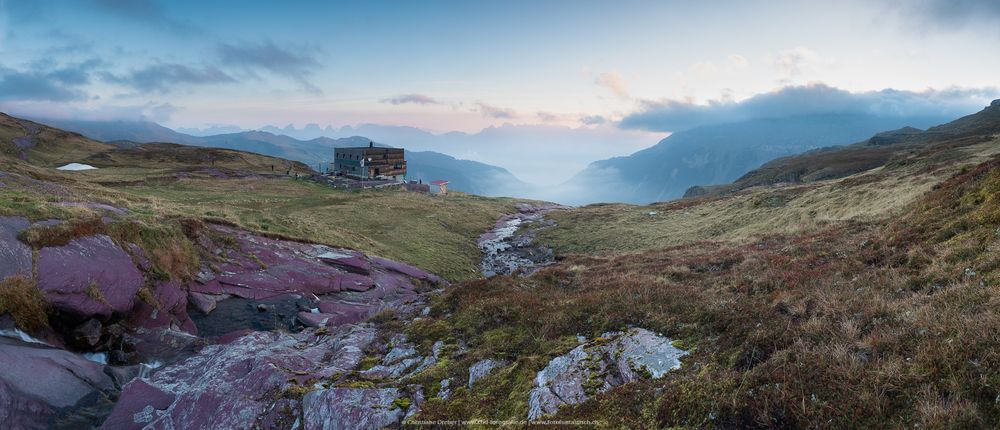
[{"x": 440, "y": 182}]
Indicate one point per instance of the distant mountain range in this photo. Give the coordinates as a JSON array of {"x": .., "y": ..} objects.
[
  {"x": 467, "y": 176},
  {"x": 526, "y": 150},
  {"x": 701, "y": 156},
  {"x": 717, "y": 154},
  {"x": 885, "y": 148}
]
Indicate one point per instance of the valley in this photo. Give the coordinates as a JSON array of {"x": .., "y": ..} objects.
[{"x": 168, "y": 269}]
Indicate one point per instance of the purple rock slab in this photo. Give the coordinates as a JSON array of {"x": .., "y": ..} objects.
[{"x": 67, "y": 273}]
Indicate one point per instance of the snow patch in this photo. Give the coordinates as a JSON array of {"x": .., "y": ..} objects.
[{"x": 77, "y": 167}]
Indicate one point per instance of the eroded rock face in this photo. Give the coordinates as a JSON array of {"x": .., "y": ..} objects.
[
  {"x": 15, "y": 257},
  {"x": 89, "y": 276},
  {"x": 237, "y": 384},
  {"x": 598, "y": 366},
  {"x": 42, "y": 387}
]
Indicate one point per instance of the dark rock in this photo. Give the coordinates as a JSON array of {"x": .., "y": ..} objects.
[
  {"x": 88, "y": 333},
  {"x": 89, "y": 276}
]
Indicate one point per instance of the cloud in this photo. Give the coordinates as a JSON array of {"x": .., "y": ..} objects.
[
  {"x": 593, "y": 120},
  {"x": 150, "y": 111},
  {"x": 148, "y": 12},
  {"x": 491, "y": 111},
  {"x": 738, "y": 61},
  {"x": 295, "y": 64},
  {"x": 419, "y": 99},
  {"x": 166, "y": 77},
  {"x": 797, "y": 62},
  {"x": 44, "y": 81},
  {"x": 614, "y": 82},
  {"x": 812, "y": 99},
  {"x": 945, "y": 14},
  {"x": 548, "y": 117}
]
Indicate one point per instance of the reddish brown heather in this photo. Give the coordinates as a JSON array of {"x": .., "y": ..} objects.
[{"x": 860, "y": 325}]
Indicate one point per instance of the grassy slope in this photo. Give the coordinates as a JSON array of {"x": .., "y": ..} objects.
[
  {"x": 875, "y": 324},
  {"x": 871, "y": 195},
  {"x": 436, "y": 234},
  {"x": 164, "y": 183}
]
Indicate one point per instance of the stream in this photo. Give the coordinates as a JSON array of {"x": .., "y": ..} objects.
[{"x": 509, "y": 247}]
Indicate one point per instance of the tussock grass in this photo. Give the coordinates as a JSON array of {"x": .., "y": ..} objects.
[{"x": 20, "y": 298}]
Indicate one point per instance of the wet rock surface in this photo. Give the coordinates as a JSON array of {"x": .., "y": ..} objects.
[
  {"x": 509, "y": 247},
  {"x": 595, "y": 367}
]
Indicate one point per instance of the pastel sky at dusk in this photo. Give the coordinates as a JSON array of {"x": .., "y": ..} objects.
[{"x": 466, "y": 65}]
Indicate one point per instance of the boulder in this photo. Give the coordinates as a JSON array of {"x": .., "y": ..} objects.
[
  {"x": 616, "y": 359},
  {"x": 15, "y": 257},
  {"x": 89, "y": 276}
]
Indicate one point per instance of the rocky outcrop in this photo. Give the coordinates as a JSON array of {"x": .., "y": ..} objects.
[
  {"x": 239, "y": 383},
  {"x": 271, "y": 320},
  {"x": 509, "y": 247},
  {"x": 325, "y": 286},
  {"x": 89, "y": 276},
  {"x": 598, "y": 366}
]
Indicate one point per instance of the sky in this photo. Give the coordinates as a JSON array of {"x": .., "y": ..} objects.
[{"x": 632, "y": 66}]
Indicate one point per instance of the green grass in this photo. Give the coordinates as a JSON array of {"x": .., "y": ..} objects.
[{"x": 434, "y": 233}]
